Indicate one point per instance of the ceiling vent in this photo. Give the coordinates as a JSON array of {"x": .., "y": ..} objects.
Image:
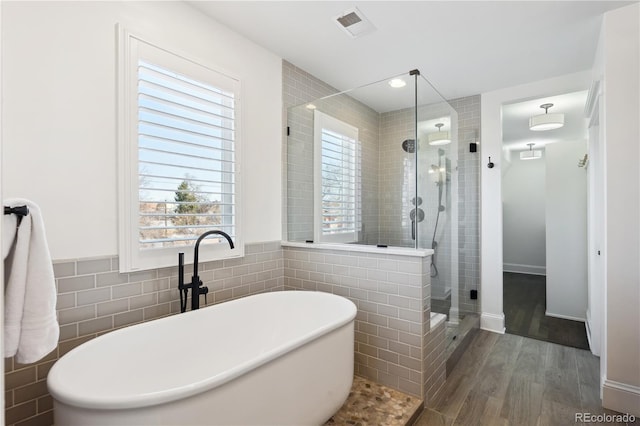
[{"x": 354, "y": 23}]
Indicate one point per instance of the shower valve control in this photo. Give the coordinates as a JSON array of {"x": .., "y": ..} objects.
[{"x": 416, "y": 215}]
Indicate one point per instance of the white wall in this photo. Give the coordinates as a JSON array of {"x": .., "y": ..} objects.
[
  {"x": 523, "y": 216},
  {"x": 620, "y": 63},
  {"x": 491, "y": 259},
  {"x": 566, "y": 233},
  {"x": 2, "y": 420},
  {"x": 59, "y": 113}
]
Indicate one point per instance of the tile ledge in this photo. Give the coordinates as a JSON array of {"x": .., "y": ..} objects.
[
  {"x": 401, "y": 251},
  {"x": 437, "y": 319}
]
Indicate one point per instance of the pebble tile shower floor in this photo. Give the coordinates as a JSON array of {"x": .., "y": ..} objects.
[{"x": 371, "y": 404}]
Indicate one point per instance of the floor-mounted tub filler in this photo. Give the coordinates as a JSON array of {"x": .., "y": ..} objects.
[{"x": 281, "y": 358}]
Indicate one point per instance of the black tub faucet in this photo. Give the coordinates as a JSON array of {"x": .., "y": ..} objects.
[{"x": 196, "y": 284}]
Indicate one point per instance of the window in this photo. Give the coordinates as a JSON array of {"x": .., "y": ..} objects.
[
  {"x": 337, "y": 180},
  {"x": 178, "y": 157}
]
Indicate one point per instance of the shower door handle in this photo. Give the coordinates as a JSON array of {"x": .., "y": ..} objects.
[{"x": 413, "y": 230}]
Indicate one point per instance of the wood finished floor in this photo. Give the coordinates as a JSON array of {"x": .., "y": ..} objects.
[
  {"x": 509, "y": 380},
  {"x": 525, "y": 304}
]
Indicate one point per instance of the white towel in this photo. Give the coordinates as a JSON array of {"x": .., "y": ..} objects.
[
  {"x": 9, "y": 229},
  {"x": 31, "y": 328}
]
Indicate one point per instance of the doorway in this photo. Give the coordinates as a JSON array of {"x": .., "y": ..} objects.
[{"x": 544, "y": 214}]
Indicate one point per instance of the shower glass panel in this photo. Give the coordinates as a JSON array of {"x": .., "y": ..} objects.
[
  {"x": 376, "y": 165},
  {"x": 437, "y": 181},
  {"x": 323, "y": 197}
]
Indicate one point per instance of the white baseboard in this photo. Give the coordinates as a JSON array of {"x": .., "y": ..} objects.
[
  {"x": 621, "y": 397},
  {"x": 594, "y": 346},
  {"x": 454, "y": 315},
  {"x": 492, "y": 322},
  {"x": 586, "y": 326},
  {"x": 567, "y": 317},
  {"x": 524, "y": 269}
]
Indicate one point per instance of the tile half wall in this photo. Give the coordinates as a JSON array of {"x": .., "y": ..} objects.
[
  {"x": 94, "y": 298},
  {"x": 394, "y": 342}
]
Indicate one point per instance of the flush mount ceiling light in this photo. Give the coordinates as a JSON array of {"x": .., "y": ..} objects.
[
  {"x": 354, "y": 23},
  {"x": 440, "y": 137},
  {"x": 396, "y": 83},
  {"x": 546, "y": 121},
  {"x": 532, "y": 154},
  {"x": 311, "y": 106}
]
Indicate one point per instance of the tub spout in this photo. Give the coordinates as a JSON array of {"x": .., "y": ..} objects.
[{"x": 196, "y": 284}]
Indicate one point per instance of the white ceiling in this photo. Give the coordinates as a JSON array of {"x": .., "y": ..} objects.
[{"x": 462, "y": 47}]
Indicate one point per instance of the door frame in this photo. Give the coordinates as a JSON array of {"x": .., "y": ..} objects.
[{"x": 491, "y": 257}]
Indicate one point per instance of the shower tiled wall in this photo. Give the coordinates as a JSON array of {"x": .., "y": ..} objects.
[
  {"x": 394, "y": 341},
  {"x": 396, "y": 178},
  {"x": 94, "y": 298},
  {"x": 300, "y": 87},
  {"x": 468, "y": 110}
]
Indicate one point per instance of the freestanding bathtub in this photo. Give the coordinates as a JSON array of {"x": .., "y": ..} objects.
[{"x": 281, "y": 358}]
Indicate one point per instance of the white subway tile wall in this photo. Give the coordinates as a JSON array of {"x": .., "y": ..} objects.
[{"x": 94, "y": 298}]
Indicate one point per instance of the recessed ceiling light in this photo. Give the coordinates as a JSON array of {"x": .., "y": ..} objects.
[
  {"x": 397, "y": 83},
  {"x": 311, "y": 106}
]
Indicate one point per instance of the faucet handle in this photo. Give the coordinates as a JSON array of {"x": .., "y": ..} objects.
[{"x": 204, "y": 290}]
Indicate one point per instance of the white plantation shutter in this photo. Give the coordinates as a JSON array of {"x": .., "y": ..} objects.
[
  {"x": 185, "y": 158},
  {"x": 181, "y": 145},
  {"x": 337, "y": 180}
]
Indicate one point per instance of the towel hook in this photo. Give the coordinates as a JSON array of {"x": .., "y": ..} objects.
[{"x": 20, "y": 211}]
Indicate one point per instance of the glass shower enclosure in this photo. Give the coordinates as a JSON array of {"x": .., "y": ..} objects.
[{"x": 377, "y": 165}]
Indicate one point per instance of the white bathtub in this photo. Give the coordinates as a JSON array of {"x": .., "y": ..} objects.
[{"x": 281, "y": 358}]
